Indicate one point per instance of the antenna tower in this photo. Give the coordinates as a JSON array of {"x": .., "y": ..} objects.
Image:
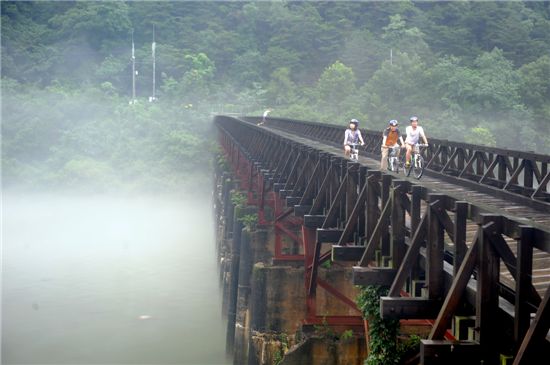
[
  {"x": 133, "y": 70},
  {"x": 153, "y": 47}
]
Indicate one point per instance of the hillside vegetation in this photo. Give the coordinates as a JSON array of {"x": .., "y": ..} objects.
[{"x": 471, "y": 71}]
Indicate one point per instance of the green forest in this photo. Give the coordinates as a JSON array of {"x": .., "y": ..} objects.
[{"x": 471, "y": 71}]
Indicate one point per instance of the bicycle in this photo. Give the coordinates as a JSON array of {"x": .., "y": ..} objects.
[
  {"x": 354, "y": 155},
  {"x": 417, "y": 161},
  {"x": 393, "y": 159}
]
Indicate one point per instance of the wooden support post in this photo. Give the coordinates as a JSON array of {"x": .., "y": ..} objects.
[
  {"x": 386, "y": 196},
  {"x": 487, "y": 322},
  {"x": 361, "y": 206},
  {"x": 397, "y": 218},
  {"x": 354, "y": 217},
  {"x": 524, "y": 272},
  {"x": 459, "y": 239},
  {"x": 314, "y": 221},
  {"x": 534, "y": 341},
  {"x": 351, "y": 192},
  {"x": 408, "y": 308},
  {"x": 323, "y": 236},
  {"x": 542, "y": 185},
  {"x": 312, "y": 288},
  {"x": 375, "y": 237},
  {"x": 454, "y": 295},
  {"x": 373, "y": 276},
  {"x": 444, "y": 156},
  {"x": 347, "y": 253},
  {"x": 306, "y": 170},
  {"x": 501, "y": 175},
  {"x": 321, "y": 194},
  {"x": 328, "y": 235},
  {"x": 332, "y": 214},
  {"x": 410, "y": 256},
  {"x": 373, "y": 213},
  {"x": 434, "y": 250},
  {"x": 309, "y": 239},
  {"x": 480, "y": 166},
  {"x": 528, "y": 174},
  {"x": 449, "y": 352},
  {"x": 415, "y": 207},
  {"x": 518, "y": 168},
  {"x": 301, "y": 210}
]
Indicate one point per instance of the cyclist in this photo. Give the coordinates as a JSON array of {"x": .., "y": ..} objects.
[
  {"x": 414, "y": 132},
  {"x": 390, "y": 136},
  {"x": 352, "y": 135}
]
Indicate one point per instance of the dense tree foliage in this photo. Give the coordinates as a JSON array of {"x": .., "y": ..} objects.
[{"x": 473, "y": 71}]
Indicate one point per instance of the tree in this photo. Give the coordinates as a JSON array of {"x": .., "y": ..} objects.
[
  {"x": 403, "y": 39},
  {"x": 453, "y": 84},
  {"x": 199, "y": 71},
  {"x": 336, "y": 84},
  {"x": 280, "y": 90},
  {"x": 364, "y": 53},
  {"x": 335, "y": 88},
  {"x": 396, "y": 89},
  {"x": 248, "y": 68},
  {"x": 497, "y": 82},
  {"x": 534, "y": 87},
  {"x": 481, "y": 136},
  {"x": 93, "y": 23}
]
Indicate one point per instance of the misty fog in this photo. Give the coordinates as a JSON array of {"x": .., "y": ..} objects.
[
  {"x": 107, "y": 238},
  {"x": 109, "y": 279}
]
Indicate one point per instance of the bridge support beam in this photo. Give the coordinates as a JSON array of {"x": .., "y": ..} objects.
[{"x": 312, "y": 198}]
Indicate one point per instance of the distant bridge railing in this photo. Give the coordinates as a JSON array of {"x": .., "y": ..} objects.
[{"x": 505, "y": 173}]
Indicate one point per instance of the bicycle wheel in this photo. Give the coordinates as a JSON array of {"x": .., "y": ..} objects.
[
  {"x": 418, "y": 166},
  {"x": 395, "y": 165}
]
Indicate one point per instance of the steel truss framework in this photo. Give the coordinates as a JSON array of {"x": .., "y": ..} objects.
[{"x": 401, "y": 234}]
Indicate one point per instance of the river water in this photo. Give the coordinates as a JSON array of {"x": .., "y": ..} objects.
[{"x": 109, "y": 280}]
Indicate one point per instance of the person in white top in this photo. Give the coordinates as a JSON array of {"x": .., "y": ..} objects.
[
  {"x": 414, "y": 132},
  {"x": 264, "y": 116},
  {"x": 352, "y": 136}
]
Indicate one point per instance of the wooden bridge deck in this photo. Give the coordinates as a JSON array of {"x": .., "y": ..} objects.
[
  {"x": 490, "y": 203},
  {"x": 473, "y": 233}
]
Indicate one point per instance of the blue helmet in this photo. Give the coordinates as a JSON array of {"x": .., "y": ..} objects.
[
  {"x": 355, "y": 121},
  {"x": 393, "y": 122}
]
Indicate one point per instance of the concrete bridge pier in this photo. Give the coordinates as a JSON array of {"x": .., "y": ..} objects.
[
  {"x": 265, "y": 297},
  {"x": 234, "y": 280},
  {"x": 223, "y": 213}
]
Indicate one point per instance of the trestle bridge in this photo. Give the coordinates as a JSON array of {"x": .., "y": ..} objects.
[{"x": 473, "y": 233}]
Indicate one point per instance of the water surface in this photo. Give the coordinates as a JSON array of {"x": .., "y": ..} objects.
[{"x": 109, "y": 280}]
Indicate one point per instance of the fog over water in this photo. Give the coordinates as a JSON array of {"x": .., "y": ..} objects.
[{"x": 109, "y": 280}]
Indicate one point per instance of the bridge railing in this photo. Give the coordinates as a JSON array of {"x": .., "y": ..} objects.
[
  {"x": 364, "y": 211},
  {"x": 501, "y": 171}
]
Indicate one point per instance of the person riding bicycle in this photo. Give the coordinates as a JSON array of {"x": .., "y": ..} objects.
[
  {"x": 352, "y": 136},
  {"x": 390, "y": 136},
  {"x": 414, "y": 132}
]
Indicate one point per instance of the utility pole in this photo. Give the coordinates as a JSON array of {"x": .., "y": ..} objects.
[
  {"x": 153, "y": 46},
  {"x": 391, "y": 56},
  {"x": 133, "y": 71}
]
